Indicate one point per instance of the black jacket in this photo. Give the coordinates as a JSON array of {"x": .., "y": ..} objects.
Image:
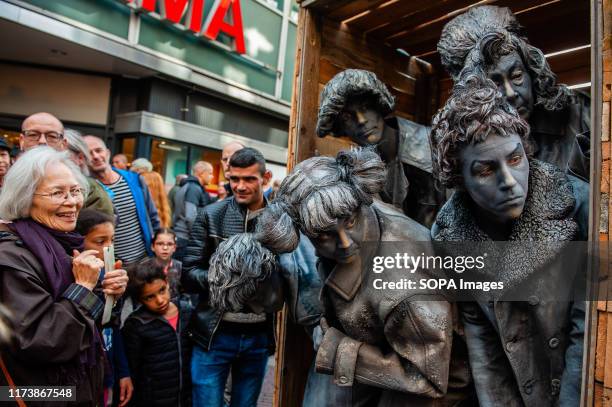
[
  {"x": 188, "y": 199},
  {"x": 159, "y": 358},
  {"x": 214, "y": 223}
]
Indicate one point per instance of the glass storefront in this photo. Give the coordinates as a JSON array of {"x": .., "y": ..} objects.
[
  {"x": 11, "y": 137},
  {"x": 170, "y": 158}
]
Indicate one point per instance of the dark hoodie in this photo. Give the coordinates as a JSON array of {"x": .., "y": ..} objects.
[{"x": 191, "y": 197}]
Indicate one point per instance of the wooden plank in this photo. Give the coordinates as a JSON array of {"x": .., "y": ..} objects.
[
  {"x": 354, "y": 8},
  {"x": 339, "y": 49},
  {"x": 392, "y": 17},
  {"x": 605, "y": 122},
  {"x": 323, "y": 6},
  {"x": 600, "y": 349},
  {"x": 554, "y": 21},
  {"x": 607, "y": 373},
  {"x": 434, "y": 17},
  {"x": 307, "y": 97},
  {"x": 570, "y": 60},
  {"x": 348, "y": 49},
  {"x": 598, "y": 395},
  {"x": 607, "y": 397},
  {"x": 290, "y": 383}
]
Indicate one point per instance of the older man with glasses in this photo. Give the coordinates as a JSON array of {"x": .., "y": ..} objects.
[{"x": 42, "y": 129}]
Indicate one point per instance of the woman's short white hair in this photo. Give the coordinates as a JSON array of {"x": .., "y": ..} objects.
[
  {"x": 142, "y": 163},
  {"x": 22, "y": 179}
]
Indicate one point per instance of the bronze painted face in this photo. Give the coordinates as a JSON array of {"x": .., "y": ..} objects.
[
  {"x": 514, "y": 82},
  {"x": 496, "y": 176},
  {"x": 362, "y": 121},
  {"x": 342, "y": 243}
]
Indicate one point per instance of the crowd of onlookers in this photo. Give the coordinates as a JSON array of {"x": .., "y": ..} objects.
[{"x": 121, "y": 337}]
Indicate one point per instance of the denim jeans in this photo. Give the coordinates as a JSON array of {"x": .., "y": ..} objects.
[{"x": 246, "y": 355}]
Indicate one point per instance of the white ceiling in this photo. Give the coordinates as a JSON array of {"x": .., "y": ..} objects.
[{"x": 26, "y": 45}]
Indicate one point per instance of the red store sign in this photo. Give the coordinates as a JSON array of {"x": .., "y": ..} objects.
[{"x": 190, "y": 11}]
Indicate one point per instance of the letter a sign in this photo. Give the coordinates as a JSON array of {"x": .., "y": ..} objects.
[{"x": 225, "y": 17}]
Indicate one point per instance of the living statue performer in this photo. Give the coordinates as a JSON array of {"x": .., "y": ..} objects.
[
  {"x": 356, "y": 104},
  {"x": 489, "y": 40},
  {"x": 522, "y": 353},
  {"x": 382, "y": 347}
]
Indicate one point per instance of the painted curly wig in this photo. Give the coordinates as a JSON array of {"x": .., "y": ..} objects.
[
  {"x": 475, "y": 110},
  {"x": 344, "y": 86},
  {"x": 474, "y": 41}
]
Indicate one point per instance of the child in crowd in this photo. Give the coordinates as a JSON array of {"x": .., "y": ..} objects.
[
  {"x": 157, "y": 346},
  {"x": 98, "y": 229},
  {"x": 164, "y": 246}
]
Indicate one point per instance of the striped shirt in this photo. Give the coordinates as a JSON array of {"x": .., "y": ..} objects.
[{"x": 129, "y": 242}]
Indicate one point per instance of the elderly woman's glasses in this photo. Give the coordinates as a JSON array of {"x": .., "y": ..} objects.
[
  {"x": 60, "y": 197},
  {"x": 52, "y": 137}
]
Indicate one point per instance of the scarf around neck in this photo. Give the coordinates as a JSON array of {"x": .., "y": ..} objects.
[{"x": 53, "y": 249}]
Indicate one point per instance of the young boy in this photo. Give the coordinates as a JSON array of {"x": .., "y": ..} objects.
[
  {"x": 158, "y": 350},
  {"x": 98, "y": 229}
]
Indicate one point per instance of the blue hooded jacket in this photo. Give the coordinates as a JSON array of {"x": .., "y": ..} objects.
[{"x": 145, "y": 208}]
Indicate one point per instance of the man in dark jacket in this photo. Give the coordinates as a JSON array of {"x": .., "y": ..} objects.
[
  {"x": 242, "y": 341},
  {"x": 191, "y": 197}
]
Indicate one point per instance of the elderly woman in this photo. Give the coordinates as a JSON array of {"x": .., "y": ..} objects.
[
  {"x": 525, "y": 343},
  {"x": 47, "y": 280},
  {"x": 382, "y": 347},
  {"x": 488, "y": 40},
  {"x": 155, "y": 183}
]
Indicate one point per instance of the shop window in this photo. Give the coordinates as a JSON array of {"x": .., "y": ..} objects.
[
  {"x": 213, "y": 157},
  {"x": 169, "y": 159},
  {"x": 127, "y": 146},
  {"x": 11, "y": 137}
]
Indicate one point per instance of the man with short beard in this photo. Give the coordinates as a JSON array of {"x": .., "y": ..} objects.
[
  {"x": 5, "y": 160},
  {"x": 241, "y": 341},
  {"x": 138, "y": 218}
]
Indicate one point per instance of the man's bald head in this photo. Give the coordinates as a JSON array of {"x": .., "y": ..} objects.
[
  {"x": 42, "y": 129},
  {"x": 120, "y": 161},
  {"x": 228, "y": 151},
  {"x": 203, "y": 171},
  {"x": 99, "y": 154}
]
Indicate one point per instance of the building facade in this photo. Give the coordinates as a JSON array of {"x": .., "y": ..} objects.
[{"x": 169, "y": 80}]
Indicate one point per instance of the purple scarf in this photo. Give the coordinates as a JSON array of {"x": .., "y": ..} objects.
[{"x": 53, "y": 249}]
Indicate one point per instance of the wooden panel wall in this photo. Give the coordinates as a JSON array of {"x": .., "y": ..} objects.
[
  {"x": 341, "y": 49},
  {"x": 600, "y": 374}
]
